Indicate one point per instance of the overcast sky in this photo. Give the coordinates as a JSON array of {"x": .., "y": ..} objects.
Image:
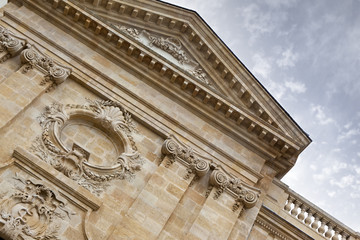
[{"x": 307, "y": 54}]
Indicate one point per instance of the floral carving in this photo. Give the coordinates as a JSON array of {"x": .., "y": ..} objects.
[
  {"x": 32, "y": 212},
  {"x": 200, "y": 75},
  {"x": 55, "y": 72},
  {"x": 132, "y": 32},
  {"x": 8, "y": 42},
  {"x": 110, "y": 116}
]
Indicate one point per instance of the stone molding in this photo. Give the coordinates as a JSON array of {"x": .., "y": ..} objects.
[
  {"x": 10, "y": 43},
  {"x": 281, "y": 228},
  {"x": 199, "y": 166},
  {"x": 32, "y": 211},
  {"x": 279, "y": 148},
  {"x": 54, "y": 72},
  {"x": 108, "y": 116}
]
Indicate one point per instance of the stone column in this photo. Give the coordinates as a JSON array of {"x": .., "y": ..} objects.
[
  {"x": 246, "y": 220},
  {"x": 151, "y": 210}
]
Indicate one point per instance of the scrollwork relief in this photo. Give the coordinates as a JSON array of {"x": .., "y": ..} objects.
[
  {"x": 244, "y": 195},
  {"x": 33, "y": 211},
  {"x": 54, "y": 72},
  {"x": 10, "y": 43},
  {"x": 108, "y": 116}
]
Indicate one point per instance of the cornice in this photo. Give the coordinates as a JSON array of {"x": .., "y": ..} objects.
[
  {"x": 187, "y": 23},
  {"x": 284, "y": 147}
]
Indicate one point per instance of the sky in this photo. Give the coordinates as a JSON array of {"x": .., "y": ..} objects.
[{"x": 307, "y": 55}]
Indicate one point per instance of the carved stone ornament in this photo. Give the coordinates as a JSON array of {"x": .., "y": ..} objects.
[
  {"x": 33, "y": 211},
  {"x": 54, "y": 72},
  {"x": 170, "y": 45},
  {"x": 10, "y": 43},
  {"x": 177, "y": 151},
  {"x": 107, "y": 116}
]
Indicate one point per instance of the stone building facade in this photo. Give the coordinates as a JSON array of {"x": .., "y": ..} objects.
[{"x": 128, "y": 120}]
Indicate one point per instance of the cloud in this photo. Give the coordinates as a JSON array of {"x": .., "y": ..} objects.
[
  {"x": 256, "y": 21},
  {"x": 295, "y": 87},
  {"x": 348, "y": 134},
  {"x": 288, "y": 58},
  {"x": 344, "y": 182},
  {"x": 320, "y": 115},
  {"x": 262, "y": 66},
  {"x": 280, "y": 3}
]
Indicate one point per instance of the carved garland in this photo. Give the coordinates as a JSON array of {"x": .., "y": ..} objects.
[
  {"x": 32, "y": 212},
  {"x": 243, "y": 194},
  {"x": 10, "y": 43},
  {"x": 55, "y": 72},
  {"x": 108, "y": 116},
  {"x": 169, "y": 45}
]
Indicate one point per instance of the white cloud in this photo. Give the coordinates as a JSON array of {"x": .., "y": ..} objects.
[
  {"x": 331, "y": 193},
  {"x": 280, "y": 3},
  {"x": 262, "y": 66},
  {"x": 255, "y": 20},
  {"x": 295, "y": 87},
  {"x": 320, "y": 115},
  {"x": 288, "y": 58},
  {"x": 348, "y": 134},
  {"x": 344, "y": 182}
]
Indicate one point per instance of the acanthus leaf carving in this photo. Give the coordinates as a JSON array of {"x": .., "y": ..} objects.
[
  {"x": 33, "y": 211},
  {"x": 10, "y": 43},
  {"x": 55, "y": 72},
  {"x": 74, "y": 163},
  {"x": 244, "y": 195}
]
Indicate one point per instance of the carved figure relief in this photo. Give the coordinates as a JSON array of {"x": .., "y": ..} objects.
[
  {"x": 75, "y": 163},
  {"x": 54, "y": 72},
  {"x": 171, "y": 46},
  {"x": 33, "y": 211},
  {"x": 177, "y": 151},
  {"x": 10, "y": 43}
]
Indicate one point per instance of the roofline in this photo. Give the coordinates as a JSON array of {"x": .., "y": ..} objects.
[{"x": 277, "y": 103}]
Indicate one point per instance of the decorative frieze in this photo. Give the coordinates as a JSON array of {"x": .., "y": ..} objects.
[
  {"x": 244, "y": 195},
  {"x": 32, "y": 211},
  {"x": 10, "y": 43},
  {"x": 55, "y": 72},
  {"x": 108, "y": 116}
]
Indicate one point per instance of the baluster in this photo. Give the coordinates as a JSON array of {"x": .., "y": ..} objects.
[
  {"x": 322, "y": 229},
  {"x": 308, "y": 220},
  {"x": 315, "y": 224},
  {"x": 337, "y": 234},
  {"x": 344, "y": 235},
  {"x": 329, "y": 232},
  {"x": 295, "y": 211},
  {"x": 301, "y": 215},
  {"x": 289, "y": 203}
]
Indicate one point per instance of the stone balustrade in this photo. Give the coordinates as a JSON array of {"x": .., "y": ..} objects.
[{"x": 314, "y": 217}]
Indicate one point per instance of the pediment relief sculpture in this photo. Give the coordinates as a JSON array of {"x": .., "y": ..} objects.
[
  {"x": 32, "y": 211},
  {"x": 106, "y": 121},
  {"x": 244, "y": 194},
  {"x": 170, "y": 46}
]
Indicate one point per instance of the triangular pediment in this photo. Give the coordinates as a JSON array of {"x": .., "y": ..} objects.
[{"x": 179, "y": 46}]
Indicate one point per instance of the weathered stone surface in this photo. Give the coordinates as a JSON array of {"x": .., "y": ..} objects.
[{"x": 140, "y": 132}]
